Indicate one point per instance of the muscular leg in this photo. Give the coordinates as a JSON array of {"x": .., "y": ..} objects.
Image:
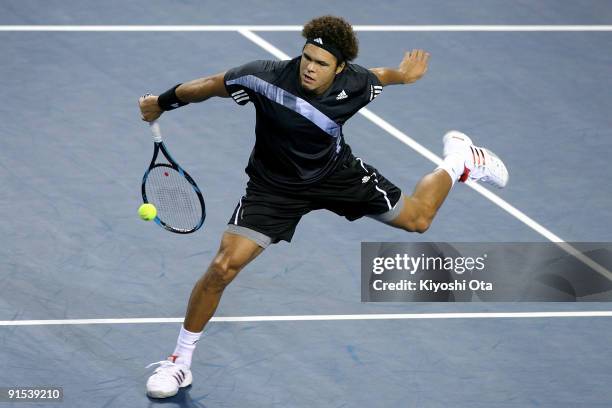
[
  {"x": 461, "y": 159},
  {"x": 234, "y": 254},
  {"x": 421, "y": 207}
]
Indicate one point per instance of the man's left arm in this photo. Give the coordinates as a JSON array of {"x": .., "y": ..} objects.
[{"x": 411, "y": 69}]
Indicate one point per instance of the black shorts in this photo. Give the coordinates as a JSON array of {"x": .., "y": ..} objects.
[{"x": 267, "y": 215}]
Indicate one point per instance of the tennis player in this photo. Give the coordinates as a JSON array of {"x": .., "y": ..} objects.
[{"x": 301, "y": 162}]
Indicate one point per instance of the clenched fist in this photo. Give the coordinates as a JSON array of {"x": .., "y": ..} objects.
[{"x": 149, "y": 109}]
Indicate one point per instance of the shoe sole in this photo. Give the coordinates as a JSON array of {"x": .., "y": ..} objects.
[
  {"x": 160, "y": 395},
  {"x": 505, "y": 176}
]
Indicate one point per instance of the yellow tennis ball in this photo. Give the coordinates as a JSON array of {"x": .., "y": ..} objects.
[{"x": 147, "y": 212}]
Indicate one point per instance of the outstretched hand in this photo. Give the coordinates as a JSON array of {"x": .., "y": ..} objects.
[
  {"x": 149, "y": 109},
  {"x": 414, "y": 65}
]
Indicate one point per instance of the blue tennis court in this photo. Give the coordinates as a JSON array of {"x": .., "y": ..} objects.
[{"x": 73, "y": 150}]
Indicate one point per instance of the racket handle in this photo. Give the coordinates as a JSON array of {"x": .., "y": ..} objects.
[{"x": 157, "y": 138}]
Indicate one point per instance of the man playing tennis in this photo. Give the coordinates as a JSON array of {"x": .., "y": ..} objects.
[{"x": 301, "y": 162}]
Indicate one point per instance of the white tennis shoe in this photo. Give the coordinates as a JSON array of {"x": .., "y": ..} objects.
[
  {"x": 480, "y": 163},
  {"x": 167, "y": 379}
]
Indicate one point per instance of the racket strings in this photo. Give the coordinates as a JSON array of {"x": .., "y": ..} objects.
[{"x": 176, "y": 201}]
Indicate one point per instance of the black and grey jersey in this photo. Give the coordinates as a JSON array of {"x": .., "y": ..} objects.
[{"x": 299, "y": 136}]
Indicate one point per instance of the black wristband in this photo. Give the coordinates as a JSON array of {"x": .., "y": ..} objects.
[{"x": 169, "y": 101}]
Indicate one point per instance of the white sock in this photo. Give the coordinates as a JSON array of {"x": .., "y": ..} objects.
[
  {"x": 185, "y": 345},
  {"x": 454, "y": 165}
]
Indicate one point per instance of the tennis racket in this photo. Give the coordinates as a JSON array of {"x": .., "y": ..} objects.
[{"x": 179, "y": 202}]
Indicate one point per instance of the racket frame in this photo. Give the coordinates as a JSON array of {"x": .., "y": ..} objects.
[{"x": 158, "y": 145}]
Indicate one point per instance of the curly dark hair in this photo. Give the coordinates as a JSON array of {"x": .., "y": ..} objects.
[{"x": 337, "y": 31}]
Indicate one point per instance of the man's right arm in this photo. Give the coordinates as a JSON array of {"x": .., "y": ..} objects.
[
  {"x": 201, "y": 89},
  {"x": 197, "y": 90}
]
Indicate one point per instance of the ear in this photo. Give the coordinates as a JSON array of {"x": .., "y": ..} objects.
[{"x": 340, "y": 67}]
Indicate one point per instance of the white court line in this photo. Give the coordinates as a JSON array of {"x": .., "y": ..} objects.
[
  {"x": 378, "y": 28},
  {"x": 316, "y": 318},
  {"x": 428, "y": 154}
]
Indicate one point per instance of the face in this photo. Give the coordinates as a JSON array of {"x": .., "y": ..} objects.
[{"x": 318, "y": 69}]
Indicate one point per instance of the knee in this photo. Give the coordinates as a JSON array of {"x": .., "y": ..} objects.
[
  {"x": 419, "y": 219},
  {"x": 422, "y": 224},
  {"x": 222, "y": 270},
  {"x": 416, "y": 224},
  {"x": 415, "y": 216}
]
